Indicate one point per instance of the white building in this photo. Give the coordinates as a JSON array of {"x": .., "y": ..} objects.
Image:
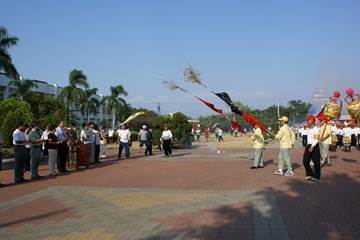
[{"x": 52, "y": 89}]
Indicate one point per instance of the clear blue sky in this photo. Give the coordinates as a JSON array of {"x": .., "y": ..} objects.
[{"x": 255, "y": 50}]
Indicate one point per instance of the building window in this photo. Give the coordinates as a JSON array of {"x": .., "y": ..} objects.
[{"x": 2, "y": 93}]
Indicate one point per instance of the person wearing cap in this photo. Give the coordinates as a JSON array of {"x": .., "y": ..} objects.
[
  {"x": 166, "y": 138},
  {"x": 325, "y": 140},
  {"x": 124, "y": 135},
  {"x": 312, "y": 151},
  {"x": 36, "y": 141},
  {"x": 143, "y": 137},
  {"x": 287, "y": 141},
  {"x": 258, "y": 145}
]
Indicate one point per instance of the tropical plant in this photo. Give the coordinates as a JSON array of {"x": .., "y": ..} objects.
[
  {"x": 73, "y": 95},
  {"x": 114, "y": 103},
  {"x": 6, "y": 64},
  {"x": 90, "y": 104},
  {"x": 13, "y": 111},
  {"x": 22, "y": 88}
]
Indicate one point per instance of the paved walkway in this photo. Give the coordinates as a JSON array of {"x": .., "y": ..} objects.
[{"x": 196, "y": 194}]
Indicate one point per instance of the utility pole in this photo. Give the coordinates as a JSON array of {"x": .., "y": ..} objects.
[
  {"x": 278, "y": 109},
  {"x": 159, "y": 108}
]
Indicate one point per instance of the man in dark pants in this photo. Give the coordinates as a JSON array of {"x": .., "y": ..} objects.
[
  {"x": 35, "y": 150},
  {"x": 312, "y": 151},
  {"x": 19, "y": 142},
  {"x": 124, "y": 135},
  {"x": 166, "y": 138},
  {"x": 62, "y": 150},
  {"x": 149, "y": 142}
]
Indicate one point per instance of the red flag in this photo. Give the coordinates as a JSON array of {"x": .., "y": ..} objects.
[
  {"x": 253, "y": 121},
  {"x": 235, "y": 125},
  {"x": 212, "y": 106}
]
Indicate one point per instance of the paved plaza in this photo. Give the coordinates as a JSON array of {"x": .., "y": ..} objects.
[{"x": 196, "y": 194}]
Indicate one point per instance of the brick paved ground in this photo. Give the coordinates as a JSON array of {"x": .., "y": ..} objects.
[{"x": 197, "y": 194}]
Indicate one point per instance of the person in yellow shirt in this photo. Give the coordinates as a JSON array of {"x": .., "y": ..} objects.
[
  {"x": 287, "y": 141},
  {"x": 325, "y": 141},
  {"x": 258, "y": 145}
]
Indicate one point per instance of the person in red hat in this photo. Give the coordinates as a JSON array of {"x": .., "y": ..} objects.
[{"x": 312, "y": 151}]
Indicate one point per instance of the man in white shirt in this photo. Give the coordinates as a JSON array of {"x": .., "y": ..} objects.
[
  {"x": 312, "y": 151},
  {"x": 358, "y": 136},
  {"x": 353, "y": 134},
  {"x": 304, "y": 135},
  {"x": 166, "y": 138},
  {"x": 124, "y": 135},
  {"x": 111, "y": 135},
  {"x": 339, "y": 133},
  {"x": 84, "y": 138},
  {"x": 44, "y": 137},
  {"x": 220, "y": 135},
  {"x": 19, "y": 142}
]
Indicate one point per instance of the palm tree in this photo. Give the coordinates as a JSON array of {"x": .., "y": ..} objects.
[
  {"x": 73, "y": 95},
  {"x": 22, "y": 87},
  {"x": 90, "y": 104},
  {"x": 6, "y": 64},
  {"x": 113, "y": 102}
]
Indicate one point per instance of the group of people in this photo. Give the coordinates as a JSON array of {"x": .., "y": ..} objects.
[
  {"x": 57, "y": 145},
  {"x": 145, "y": 138},
  {"x": 344, "y": 135},
  {"x": 317, "y": 140}
]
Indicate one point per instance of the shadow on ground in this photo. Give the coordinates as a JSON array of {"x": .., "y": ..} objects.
[{"x": 329, "y": 209}]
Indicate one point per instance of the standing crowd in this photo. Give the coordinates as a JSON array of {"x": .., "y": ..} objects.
[
  {"x": 60, "y": 146},
  {"x": 318, "y": 138}
]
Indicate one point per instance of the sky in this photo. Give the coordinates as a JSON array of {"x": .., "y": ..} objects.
[{"x": 257, "y": 51}]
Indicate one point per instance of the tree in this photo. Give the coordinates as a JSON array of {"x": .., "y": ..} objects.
[
  {"x": 23, "y": 88},
  {"x": 180, "y": 128},
  {"x": 90, "y": 104},
  {"x": 298, "y": 110},
  {"x": 13, "y": 111},
  {"x": 73, "y": 95},
  {"x": 113, "y": 102},
  {"x": 6, "y": 64},
  {"x": 47, "y": 109}
]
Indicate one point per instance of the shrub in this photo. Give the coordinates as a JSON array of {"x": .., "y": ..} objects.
[{"x": 13, "y": 111}]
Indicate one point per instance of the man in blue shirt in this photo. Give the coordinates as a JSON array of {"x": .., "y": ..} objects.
[{"x": 62, "y": 150}]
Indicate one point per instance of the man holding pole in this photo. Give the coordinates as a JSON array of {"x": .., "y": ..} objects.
[
  {"x": 258, "y": 145},
  {"x": 287, "y": 140}
]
